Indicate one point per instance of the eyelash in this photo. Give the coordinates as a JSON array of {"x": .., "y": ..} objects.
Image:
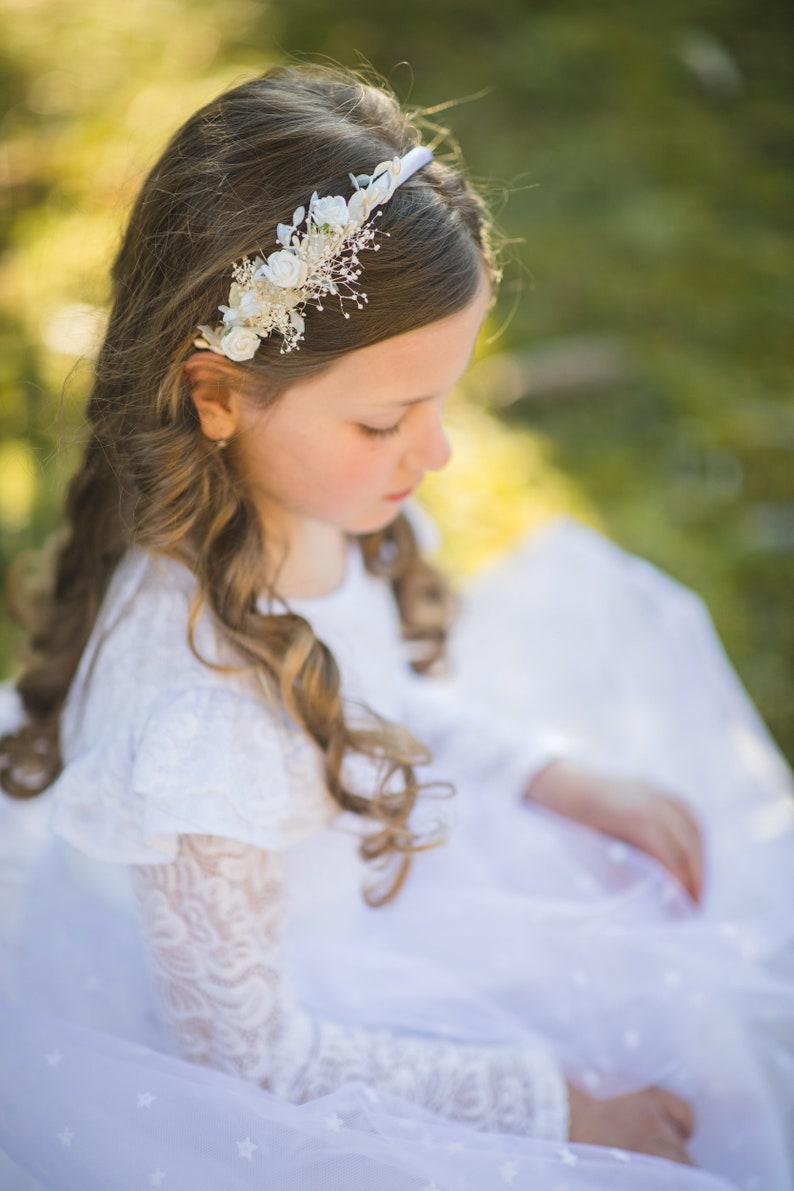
[{"x": 375, "y": 432}]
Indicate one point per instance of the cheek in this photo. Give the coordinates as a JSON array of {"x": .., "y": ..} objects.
[{"x": 354, "y": 473}]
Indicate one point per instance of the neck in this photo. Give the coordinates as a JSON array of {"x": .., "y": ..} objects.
[{"x": 305, "y": 559}]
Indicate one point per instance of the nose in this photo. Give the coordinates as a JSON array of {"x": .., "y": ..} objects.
[{"x": 429, "y": 449}]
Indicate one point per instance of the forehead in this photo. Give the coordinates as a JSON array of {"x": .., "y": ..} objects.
[{"x": 418, "y": 364}]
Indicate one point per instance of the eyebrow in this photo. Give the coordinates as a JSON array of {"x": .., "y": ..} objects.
[{"x": 413, "y": 401}]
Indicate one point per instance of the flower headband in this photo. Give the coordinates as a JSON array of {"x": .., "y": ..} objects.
[{"x": 272, "y": 295}]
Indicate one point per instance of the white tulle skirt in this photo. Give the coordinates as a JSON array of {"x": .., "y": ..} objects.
[{"x": 521, "y": 924}]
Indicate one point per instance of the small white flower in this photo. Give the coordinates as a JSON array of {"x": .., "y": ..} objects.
[
  {"x": 243, "y": 305},
  {"x": 359, "y": 206},
  {"x": 298, "y": 321},
  {"x": 331, "y": 210},
  {"x": 246, "y": 1148},
  {"x": 285, "y": 270},
  {"x": 380, "y": 190},
  {"x": 240, "y": 344}
]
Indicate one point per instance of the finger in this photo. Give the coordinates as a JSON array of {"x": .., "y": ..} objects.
[
  {"x": 665, "y": 848},
  {"x": 689, "y": 839},
  {"x": 675, "y": 842},
  {"x": 682, "y": 851},
  {"x": 689, "y": 830},
  {"x": 678, "y": 1110},
  {"x": 673, "y": 1150}
]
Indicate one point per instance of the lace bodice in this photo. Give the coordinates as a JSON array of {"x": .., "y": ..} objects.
[{"x": 213, "y": 922}]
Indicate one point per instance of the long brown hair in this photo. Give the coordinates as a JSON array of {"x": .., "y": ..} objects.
[{"x": 237, "y": 168}]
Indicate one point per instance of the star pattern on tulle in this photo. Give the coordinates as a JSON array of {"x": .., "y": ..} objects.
[
  {"x": 334, "y": 1122},
  {"x": 508, "y": 1171},
  {"x": 567, "y": 1157},
  {"x": 145, "y": 1099},
  {"x": 246, "y": 1148},
  {"x": 431, "y": 1187},
  {"x": 54, "y": 1058},
  {"x": 631, "y": 1038},
  {"x": 156, "y": 1178},
  {"x": 621, "y": 1155},
  {"x": 66, "y": 1136}
]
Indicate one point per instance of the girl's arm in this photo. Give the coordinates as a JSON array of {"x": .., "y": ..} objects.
[
  {"x": 213, "y": 924},
  {"x": 539, "y": 769}
]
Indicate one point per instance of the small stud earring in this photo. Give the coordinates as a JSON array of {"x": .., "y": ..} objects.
[{"x": 221, "y": 443}]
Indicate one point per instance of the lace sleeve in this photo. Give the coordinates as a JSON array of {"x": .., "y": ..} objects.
[{"x": 213, "y": 924}]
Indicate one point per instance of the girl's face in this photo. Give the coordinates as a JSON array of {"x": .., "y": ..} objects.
[{"x": 346, "y": 448}]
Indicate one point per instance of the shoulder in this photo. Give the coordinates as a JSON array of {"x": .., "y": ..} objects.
[
  {"x": 146, "y": 616},
  {"x": 141, "y": 651}
]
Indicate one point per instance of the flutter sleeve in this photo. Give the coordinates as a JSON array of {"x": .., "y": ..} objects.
[
  {"x": 213, "y": 923},
  {"x": 209, "y": 760}
]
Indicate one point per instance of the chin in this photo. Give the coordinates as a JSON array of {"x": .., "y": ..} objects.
[{"x": 375, "y": 522}]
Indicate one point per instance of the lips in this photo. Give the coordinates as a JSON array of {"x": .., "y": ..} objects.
[{"x": 400, "y": 495}]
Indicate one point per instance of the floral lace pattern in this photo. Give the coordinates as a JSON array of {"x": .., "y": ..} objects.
[{"x": 213, "y": 922}]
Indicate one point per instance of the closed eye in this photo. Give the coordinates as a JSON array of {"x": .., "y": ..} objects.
[{"x": 377, "y": 431}]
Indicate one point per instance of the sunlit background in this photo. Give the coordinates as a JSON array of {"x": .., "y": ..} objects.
[{"x": 639, "y": 158}]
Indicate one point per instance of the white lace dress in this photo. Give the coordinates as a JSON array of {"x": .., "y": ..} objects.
[{"x": 201, "y": 900}]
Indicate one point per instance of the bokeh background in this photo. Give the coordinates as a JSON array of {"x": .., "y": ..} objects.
[{"x": 638, "y": 369}]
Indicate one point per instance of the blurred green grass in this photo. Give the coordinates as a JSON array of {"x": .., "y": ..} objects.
[{"x": 639, "y": 157}]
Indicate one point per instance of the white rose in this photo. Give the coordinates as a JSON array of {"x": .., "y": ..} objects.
[
  {"x": 331, "y": 210},
  {"x": 240, "y": 344},
  {"x": 286, "y": 270}
]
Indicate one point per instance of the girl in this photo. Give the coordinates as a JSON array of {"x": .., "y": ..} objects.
[{"x": 246, "y": 780}]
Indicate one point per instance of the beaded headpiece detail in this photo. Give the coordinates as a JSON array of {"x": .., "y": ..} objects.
[{"x": 322, "y": 259}]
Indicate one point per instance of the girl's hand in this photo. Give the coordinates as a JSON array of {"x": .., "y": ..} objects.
[
  {"x": 653, "y": 1121},
  {"x": 630, "y": 810}
]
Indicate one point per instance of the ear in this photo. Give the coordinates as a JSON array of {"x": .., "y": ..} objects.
[{"x": 215, "y": 385}]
